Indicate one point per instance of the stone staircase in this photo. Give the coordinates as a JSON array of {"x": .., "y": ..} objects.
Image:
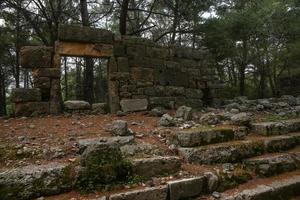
[{"x": 262, "y": 165}]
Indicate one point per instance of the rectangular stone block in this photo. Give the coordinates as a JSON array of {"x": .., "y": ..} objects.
[
  {"x": 36, "y": 57},
  {"x": 47, "y": 72},
  {"x": 31, "y": 108},
  {"x": 25, "y": 95},
  {"x": 123, "y": 64},
  {"x": 84, "y": 49},
  {"x": 166, "y": 102},
  {"x": 142, "y": 74},
  {"x": 155, "y": 193},
  {"x": 186, "y": 188},
  {"x": 134, "y": 105},
  {"x": 193, "y": 93},
  {"x": 85, "y": 34}
]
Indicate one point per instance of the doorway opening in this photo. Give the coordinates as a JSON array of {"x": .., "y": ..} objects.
[{"x": 74, "y": 78}]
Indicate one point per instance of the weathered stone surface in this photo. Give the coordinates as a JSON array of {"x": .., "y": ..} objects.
[
  {"x": 123, "y": 64},
  {"x": 186, "y": 188},
  {"x": 272, "y": 164},
  {"x": 25, "y": 95},
  {"x": 184, "y": 112},
  {"x": 166, "y": 120},
  {"x": 157, "y": 112},
  {"x": 42, "y": 82},
  {"x": 155, "y": 193},
  {"x": 77, "y": 105},
  {"x": 120, "y": 128},
  {"x": 102, "y": 164},
  {"x": 242, "y": 119},
  {"x": 99, "y": 108},
  {"x": 55, "y": 97},
  {"x": 31, "y": 109},
  {"x": 35, "y": 181},
  {"x": 115, "y": 141},
  {"x": 36, "y": 57},
  {"x": 142, "y": 74},
  {"x": 286, "y": 188},
  {"x": 202, "y": 136},
  {"x": 134, "y": 105},
  {"x": 84, "y": 34},
  {"x": 47, "y": 72},
  {"x": 236, "y": 151},
  {"x": 156, "y": 166},
  {"x": 222, "y": 153},
  {"x": 277, "y": 128},
  {"x": 166, "y": 102},
  {"x": 194, "y": 93}
]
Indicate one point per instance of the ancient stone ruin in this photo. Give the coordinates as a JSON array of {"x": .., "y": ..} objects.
[{"x": 141, "y": 73}]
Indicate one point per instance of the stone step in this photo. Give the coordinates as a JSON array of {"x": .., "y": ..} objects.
[
  {"x": 285, "y": 186},
  {"x": 269, "y": 165},
  {"x": 34, "y": 181},
  {"x": 276, "y": 128},
  {"x": 155, "y": 166},
  {"x": 231, "y": 152},
  {"x": 203, "y": 136}
]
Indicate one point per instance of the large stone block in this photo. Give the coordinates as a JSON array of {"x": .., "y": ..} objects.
[
  {"x": 47, "y": 72},
  {"x": 84, "y": 34},
  {"x": 123, "y": 64},
  {"x": 155, "y": 193},
  {"x": 187, "y": 188},
  {"x": 77, "y": 105},
  {"x": 25, "y": 95},
  {"x": 142, "y": 74},
  {"x": 36, "y": 57},
  {"x": 31, "y": 108},
  {"x": 133, "y": 105}
]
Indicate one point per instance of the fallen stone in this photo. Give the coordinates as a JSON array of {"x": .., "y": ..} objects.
[
  {"x": 184, "y": 112},
  {"x": 155, "y": 193},
  {"x": 156, "y": 166},
  {"x": 166, "y": 120},
  {"x": 157, "y": 112},
  {"x": 30, "y": 109},
  {"x": 276, "y": 128},
  {"x": 186, "y": 188},
  {"x": 77, "y": 105},
  {"x": 35, "y": 181},
  {"x": 134, "y": 105},
  {"x": 20, "y": 95},
  {"x": 241, "y": 119},
  {"x": 119, "y": 141},
  {"x": 120, "y": 128}
]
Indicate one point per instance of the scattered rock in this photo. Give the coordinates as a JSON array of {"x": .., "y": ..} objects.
[
  {"x": 242, "y": 119},
  {"x": 166, "y": 120},
  {"x": 184, "y": 112},
  {"x": 120, "y": 128},
  {"x": 76, "y": 105},
  {"x": 157, "y": 112}
]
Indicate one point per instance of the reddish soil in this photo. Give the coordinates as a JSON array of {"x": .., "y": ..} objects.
[{"x": 25, "y": 141}]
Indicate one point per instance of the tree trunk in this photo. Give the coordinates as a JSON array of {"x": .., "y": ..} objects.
[
  {"x": 17, "y": 47},
  {"x": 78, "y": 92},
  {"x": 89, "y": 68},
  {"x": 175, "y": 21},
  {"x": 2, "y": 94},
  {"x": 123, "y": 17},
  {"x": 242, "y": 68},
  {"x": 66, "y": 79}
]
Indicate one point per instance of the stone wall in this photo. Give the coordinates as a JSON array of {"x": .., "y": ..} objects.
[
  {"x": 168, "y": 77},
  {"x": 289, "y": 84},
  {"x": 141, "y": 73}
]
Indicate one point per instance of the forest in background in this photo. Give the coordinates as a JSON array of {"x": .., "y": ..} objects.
[{"x": 252, "y": 43}]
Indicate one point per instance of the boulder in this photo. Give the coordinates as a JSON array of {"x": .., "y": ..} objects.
[
  {"x": 241, "y": 119},
  {"x": 34, "y": 181},
  {"x": 29, "y": 109},
  {"x": 102, "y": 164},
  {"x": 76, "y": 105},
  {"x": 184, "y": 112},
  {"x": 291, "y": 100},
  {"x": 157, "y": 112},
  {"x": 166, "y": 120},
  {"x": 134, "y": 105},
  {"x": 25, "y": 95},
  {"x": 120, "y": 128}
]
